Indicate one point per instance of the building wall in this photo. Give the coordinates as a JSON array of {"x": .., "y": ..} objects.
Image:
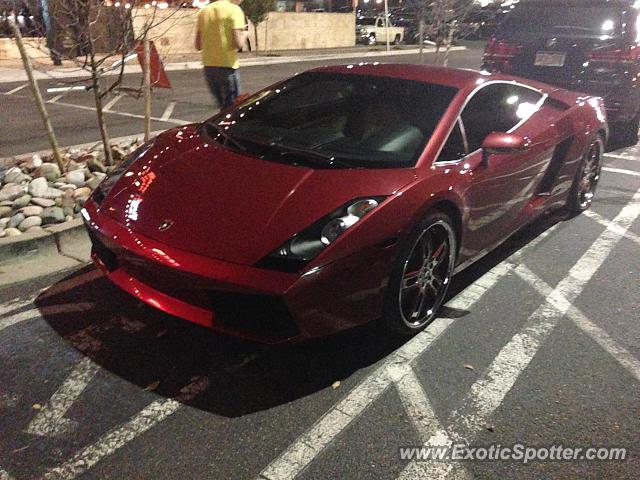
[
  {"x": 280, "y": 31},
  {"x": 35, "y": 48}
]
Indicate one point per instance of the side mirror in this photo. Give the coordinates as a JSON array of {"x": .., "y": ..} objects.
[{"x": 500, "y": 142}]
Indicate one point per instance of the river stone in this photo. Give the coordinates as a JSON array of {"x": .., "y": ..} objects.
[
  {"x": 67, "y": 186},
  {"x": 68, "y": 212},
  {"x": 34, "y": 162},
  {"x": 52, "y": 215},
  {"x": 67, "y": 199},
  {"x": 5, "y": 211},
  {"x": 16, "y": 220},
  {"x": 22, "y": 201},
  {"x": 2, "y": 233},
  {"x": 29, "y": 222},
  {"x": 43, "y": 202},
  {"x": 75, "y": 177},
  {"x": 14, "y": 175},
  {"x": 96, "y": 165},
  {"x": 52, "y": 193},
  {"x": 11, "y": 192},
  {"x": 38, "y": 187},
  {"x": 12, "y": 232},
  {"x": 32, "y": 210},
  {"x": 50, "y": 171},
  {"x": 83, "y": 192},
  {"x": 6, "y": 203},
  {"x": 4, "y": 222},
  {"x": 73, "y": 165}
]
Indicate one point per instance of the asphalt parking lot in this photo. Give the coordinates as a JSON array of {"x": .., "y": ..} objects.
[{"x": 539, "y": 344}]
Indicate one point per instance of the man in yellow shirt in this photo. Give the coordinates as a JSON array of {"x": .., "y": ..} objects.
[{"x": 220, "y": 33}]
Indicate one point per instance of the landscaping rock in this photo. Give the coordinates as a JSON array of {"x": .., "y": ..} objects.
[
  {"x": 34, "y": 162},
  {"x": 12, "y": 232},
  {"x": 52, "y": 193},
  {"x": 68, "y": 212},
  {"x": 29, "y": 222},
  {"x": 67, "y": 186},
  {"x": 52, "y": 215},
  {"x": 22, "y": 201},
  {"x": 94, "y": 181},
  {"x": 83, "y": 192},
  {"x": 4, "y": 222},
  {"x": 14, "y": 175},
  {"x": 75, "y": 177},
  {"x": 32, "y": 210},
  {"x": 96, "y": 165},
  {"x": 67, "y": 199},
  {"x": 118, "y": 152},
  {"x": 2, "y": 233},
  {"x": 6, "y": 203},
  {"x": 50, "y": 171},
  {"x": 34, "y": 229},
  {"x": 5, "y": 211},
  {"x": 16, "y": 220},
  {"x": 43, "y": 202},
  {"x": 73, "y": 165},
  {"x": 38, "y": 187},
  {"x": 11, "y": 192}
]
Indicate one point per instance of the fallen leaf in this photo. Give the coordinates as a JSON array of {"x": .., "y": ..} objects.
[
  {"x": 335, "y": 384},
  {"x": 153, "y": 385},
  {"x": 36, "y": 406},
  {"x": 468, "y": 367}
]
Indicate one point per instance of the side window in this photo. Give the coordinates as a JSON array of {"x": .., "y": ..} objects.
[
  {"x": 496, "y": 108},
  {"x": 379, "y": 23},
  {"x": 454, "y": 148}
]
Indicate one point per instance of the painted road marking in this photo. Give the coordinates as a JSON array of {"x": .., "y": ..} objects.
[
  {"x": 622, "y": 157},
  {"x": 125, "y": 114},
  {"x": 609, "y": 224},
  {"x": 417, "y": 405},
  {"x": 65, "y": 89},
  {"x": 148, "y": 417},
  {"x": 35, "y": 313},
  {"x": 621, "y": 170},
  {"x": 168, "y": 111},
  {"x": 112, "y": 102},
  {"x": 56, "y": 98},
  {"x": 310, "y": 444},
  {"x": 488, "y": 392},
  {"x": 50, "y": 420},
  {"x": 17, "y": 89},
  {"x": 602, "y": 338}
]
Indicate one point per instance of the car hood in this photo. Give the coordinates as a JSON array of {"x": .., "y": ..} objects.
[{"x": 203, "y": 198}]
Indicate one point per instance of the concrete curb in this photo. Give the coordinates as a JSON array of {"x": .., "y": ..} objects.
[
  {"x": 9, "y": 75},
  {"x": 68, "y": 239}
]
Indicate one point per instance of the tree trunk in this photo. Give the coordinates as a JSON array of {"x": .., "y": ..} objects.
[
  {"x": 147, "y": 88},
  {"x": 421, "y": 40},
  {"x": 104, "y": 134},
  {"x": 255, "y": 36},
  {"x": 55, "y": 149},
  {"x": 452, "y": 30}
]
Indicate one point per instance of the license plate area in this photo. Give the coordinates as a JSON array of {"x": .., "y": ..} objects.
[{"x": 549, "y": 59}]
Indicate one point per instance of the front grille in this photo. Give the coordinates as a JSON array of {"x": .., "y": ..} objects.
[{"x": 263, "y": 315}]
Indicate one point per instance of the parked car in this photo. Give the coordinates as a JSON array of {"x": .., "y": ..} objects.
[
  {"x": 590, "y": 46},
  {"x": 341, "y": 195},
  {"x": 372, "y": 30}
]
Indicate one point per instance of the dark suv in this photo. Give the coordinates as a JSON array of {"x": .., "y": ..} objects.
[{"x": 584, "y": 45}]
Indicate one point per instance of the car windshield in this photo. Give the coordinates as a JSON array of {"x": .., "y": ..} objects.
[
  {"x": 559, "y": 20},
  {"x": 366, "y": 21},
  {"x": 333, "y": 120}
]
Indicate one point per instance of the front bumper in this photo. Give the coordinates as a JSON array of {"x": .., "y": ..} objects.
[{"x": 254, "y": 303}]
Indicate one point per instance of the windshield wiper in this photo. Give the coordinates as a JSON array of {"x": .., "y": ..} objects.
[
  {"x": 224, "y": 134},
  {"x": 311, "y": 155}
]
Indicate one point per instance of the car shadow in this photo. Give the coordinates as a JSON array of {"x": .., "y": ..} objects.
[{"x": 161, "y": 353}]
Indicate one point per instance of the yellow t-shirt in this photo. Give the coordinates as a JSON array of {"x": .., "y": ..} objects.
[{"x": 216, "y": 23}]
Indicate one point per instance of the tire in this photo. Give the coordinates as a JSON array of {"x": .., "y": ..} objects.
[
  {"x": 372, "y": 39},
  {"x": 397, "y": 41},
  {"x": 628, "y": 131},
  {"x": 586, "y": 178},
  {"x": 421, "y": 275}
]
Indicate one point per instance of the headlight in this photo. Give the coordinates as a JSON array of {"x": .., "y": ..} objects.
[
  {"x": 107, "y": 184},
  {"x": 301, "y": 248}
]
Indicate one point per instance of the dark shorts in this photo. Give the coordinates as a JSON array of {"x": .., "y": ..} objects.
[{"x": 224, "y": 84}]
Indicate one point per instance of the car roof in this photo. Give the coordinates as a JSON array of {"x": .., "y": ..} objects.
[
  {"x": 453, "y": 77},
  {"x": 578, "y": 3}
]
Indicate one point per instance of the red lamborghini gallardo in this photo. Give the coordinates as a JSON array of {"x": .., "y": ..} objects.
[{"x": 341, "y": 195}]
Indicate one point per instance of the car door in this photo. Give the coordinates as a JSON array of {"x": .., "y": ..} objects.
[
  {"x": 381, "y": 32},
  {"x": 500, "y": 189}
]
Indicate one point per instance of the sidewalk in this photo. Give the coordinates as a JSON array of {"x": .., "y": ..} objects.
[{"x": 13, "y": 72}]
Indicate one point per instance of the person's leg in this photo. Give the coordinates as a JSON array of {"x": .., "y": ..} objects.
[
  {"x": 212, "y": 75},
  {"x": 232, "y": 86}
]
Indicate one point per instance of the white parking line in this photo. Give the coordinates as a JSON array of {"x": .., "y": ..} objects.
[
  {"x": 17, "y": 89},
  {"x": 147, "y": 418},
  {"x": 168, "y": 111},
  {"x": 622, "y": 157},
  {"x": 56, "y": 98},
  {"x": 602, "y": 338},
  {"x": 621, "y": 170},
  {"x": 44, "y": 311},
  {"x": 50, "y": 420},
  {"x": 109, "y": 105},
  {"x": 308, "y": 446},
  {"x": 488, "y": 392},
  {"x": 125, "y": 114},
  {"x": 417, "y": 405},
  {"x": 608, "y": 223}
]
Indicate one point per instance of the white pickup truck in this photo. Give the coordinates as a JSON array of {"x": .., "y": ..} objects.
[{"x": 372, "y": 30}]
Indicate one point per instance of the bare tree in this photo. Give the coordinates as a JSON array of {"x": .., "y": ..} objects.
[{"x": 446, "y": 20}]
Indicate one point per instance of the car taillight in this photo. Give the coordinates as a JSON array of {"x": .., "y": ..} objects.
[
  {"x": 501, "y": 49},
  {"x": 622, "y": 55}
]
